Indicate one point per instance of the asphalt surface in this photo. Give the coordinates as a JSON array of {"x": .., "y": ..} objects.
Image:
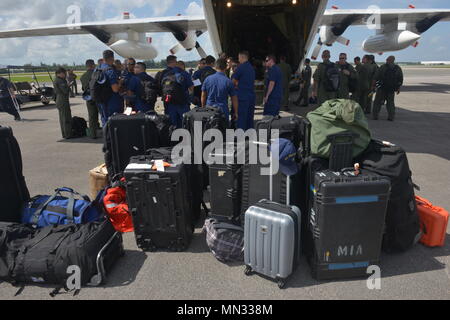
[{"x": 422, "y": 128}]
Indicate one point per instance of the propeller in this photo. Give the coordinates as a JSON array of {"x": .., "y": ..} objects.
[
  {"x": 316, "y": 51},
  {"x": 343, "y": 40},
  {"x": 174, "y": 50},
  {"x": 200, "y": 51}
]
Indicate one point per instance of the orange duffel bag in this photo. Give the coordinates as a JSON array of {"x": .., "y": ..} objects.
[
  {"x": 115, "y": 203},
  {"x": 433, "y": 221}
]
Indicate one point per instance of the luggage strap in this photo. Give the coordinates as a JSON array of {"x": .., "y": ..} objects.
[
  {"x": 227, "y": 226},
  {"x": 70, "y": 206}
]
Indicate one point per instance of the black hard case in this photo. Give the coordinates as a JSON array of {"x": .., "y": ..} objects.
[
  {"x": 160, "y": 206},
  {"x": 347, "y": 222}
]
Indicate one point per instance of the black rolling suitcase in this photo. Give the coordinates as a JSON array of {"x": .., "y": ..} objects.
[
  {"x": 165, "y": 128},
  {"x": 290, "y": 128},
  {"x": 347, "y": 220},
  {"x": 13, "y": 189},
  {"x": 128, "y": 136},
  {"x": 256, "y": 187},
  {"x": 402, "y": 219},
  {"x": 226, "y": 183},
  {"x": 206, "y": 118},
  {"x": 159, "y": 201}
]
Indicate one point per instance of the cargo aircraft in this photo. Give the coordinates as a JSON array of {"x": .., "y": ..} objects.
[{"x": 259, "y": 26}]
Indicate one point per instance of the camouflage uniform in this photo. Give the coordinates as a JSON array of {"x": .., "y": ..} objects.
[
  {"x": 387, "y": 89},
  {"x": 62, "y": 92},
  {"x": 320, "y": 76}
]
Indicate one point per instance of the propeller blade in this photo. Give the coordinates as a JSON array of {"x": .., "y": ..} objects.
[
  {"x": 343, "y": 40},
  {"x": 200, "y": 51},
  {"x": 176, "y": 48},
  {"x": 316, "y": 51},
  {"x": 416, "y": 44}
]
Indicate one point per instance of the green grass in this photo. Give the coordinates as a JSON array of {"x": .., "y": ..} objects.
[{"x": 42, "y": 77}]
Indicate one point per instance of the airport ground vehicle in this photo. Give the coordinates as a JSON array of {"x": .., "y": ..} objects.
[{"x": 30, "y": 91}]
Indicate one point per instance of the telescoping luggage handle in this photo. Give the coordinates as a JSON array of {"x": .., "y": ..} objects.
[{"x": 70, "y": 206}]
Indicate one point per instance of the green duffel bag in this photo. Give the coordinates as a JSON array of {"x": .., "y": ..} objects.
[{"x": 336, "y": 117}]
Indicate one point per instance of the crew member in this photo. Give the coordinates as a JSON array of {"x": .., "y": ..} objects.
[
  {"x": 362, "y": 93},
  {"x": 7, "y": 95},
  {"x": 91, "y": 105},
  {"x": 274, "y": 88},
  {"x": 305, "y": 85},
  {"x": 372, "y": 70},
  {"x": 62, "y": 92},
  {"x": 390, "y": 79},
  {"x": 348, "y": 78},
  {"x": 326, "y": 80},
  {"x": 217, "y": 88},
  {"x": 179, "y": 84},
  {"x": 244, "y": 81},
  {"x": 286, "y": 71},
  {"x": 198, "y": 88},
  {"x": 72, "y": 79},
  {"x": 115, "y": 101},
  {"x": 136, "y": 89}
]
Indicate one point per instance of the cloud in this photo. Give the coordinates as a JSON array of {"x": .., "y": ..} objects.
[
  {"x": 16, "y": 14},
  {"x": 194, "y": 9}
]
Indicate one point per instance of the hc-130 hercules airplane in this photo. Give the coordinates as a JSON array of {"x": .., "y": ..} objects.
[{"x": 259, "y": 26}]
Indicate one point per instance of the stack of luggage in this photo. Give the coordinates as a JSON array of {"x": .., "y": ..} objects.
[
  {"x": 325, "y": 189},
  {"x": 50, "y": 239},
  {"x": 337, "y": 197}
]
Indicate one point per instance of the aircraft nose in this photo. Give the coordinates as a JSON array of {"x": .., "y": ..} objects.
[{"x": 408, "y": 37}]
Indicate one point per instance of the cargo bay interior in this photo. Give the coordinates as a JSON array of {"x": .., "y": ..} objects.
[{"x": 280, "y": 27}]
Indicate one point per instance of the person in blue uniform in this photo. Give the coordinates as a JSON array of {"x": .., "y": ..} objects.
[
  {"x": 115, "y": 102},
  {"x": 198, "y": 89},
  {"x": 217, "y": 88},
  {"x": 274, "y": 88},
  {"x": 244, "y": 81},
  {"x": 136, "y": 89},
  {"x": 175, "y": 107}
]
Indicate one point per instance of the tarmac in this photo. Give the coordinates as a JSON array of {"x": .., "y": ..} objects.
[{"x": 422, "y": 127}]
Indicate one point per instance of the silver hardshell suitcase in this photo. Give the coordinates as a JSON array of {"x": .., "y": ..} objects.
[{"x": 272, "y": 240}]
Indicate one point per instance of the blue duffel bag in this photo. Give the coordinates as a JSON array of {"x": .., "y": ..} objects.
[{"x": 43, "y": 211}]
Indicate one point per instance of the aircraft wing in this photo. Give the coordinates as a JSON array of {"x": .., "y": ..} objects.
[
  {"x": 414, "y": 17},
  {"x": 107, "y": 28}
]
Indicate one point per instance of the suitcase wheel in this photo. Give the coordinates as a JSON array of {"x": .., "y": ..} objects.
[
  {"x": 281, "y": 283},
  {"x": 248, "y": 271}
]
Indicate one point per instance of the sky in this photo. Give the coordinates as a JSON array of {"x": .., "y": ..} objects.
[{"x": 435, "y": 44}]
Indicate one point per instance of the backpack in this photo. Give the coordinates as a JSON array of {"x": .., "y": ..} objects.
[
  {"x": 352, "y": 83},
  {"x": 208, "y": 72},
  {"x": 150, "y": 92},
  {"x": 225, "y": 240},
  {"x": 99, "y": 87},
  {"x": 172, "y": 89},
  {"x": 390, "y": 81},
  {"x": 333, "y": 78},
  {"x": 43, "y": 211},
  {"x": 337, "y": 117},
  {"x": 402, "y": 219},
  {"x": 79, "y": 127}
]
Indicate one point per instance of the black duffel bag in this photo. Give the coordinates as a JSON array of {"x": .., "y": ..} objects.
[
  {"x": 12, "y": 237},
  {"x": 46, "y": 256},
  {"x": 402, "y": 219}
]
